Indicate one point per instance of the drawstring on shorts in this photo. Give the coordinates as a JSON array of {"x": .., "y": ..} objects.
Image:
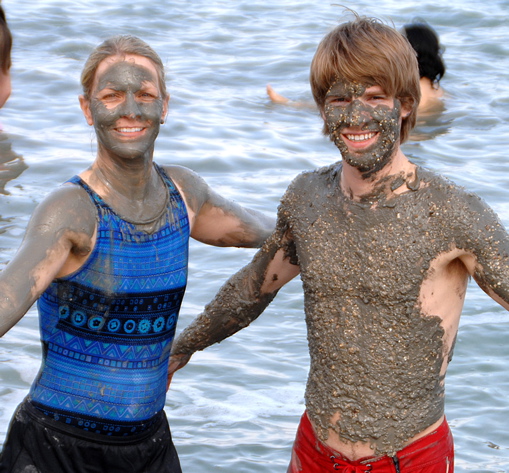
[{"x": 345, "y": 467}]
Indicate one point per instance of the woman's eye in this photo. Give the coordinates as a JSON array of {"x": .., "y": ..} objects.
[
  {"x": 147, "y": 96},
  {"x": 109, "y": 96}
]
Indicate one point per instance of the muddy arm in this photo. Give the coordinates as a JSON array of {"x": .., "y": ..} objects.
[
  {"x": 59, "y": 231},
  {"x": 216, "y": 220},
  {"x": 241, "y": 299},
  {"x": 488, "y": 258}
]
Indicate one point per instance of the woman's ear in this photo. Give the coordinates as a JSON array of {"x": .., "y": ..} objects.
[
  {"x": 85, "y": 107},
  {"x": 165, "y": 108}
]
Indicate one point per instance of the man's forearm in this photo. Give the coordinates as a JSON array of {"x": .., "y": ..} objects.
[{"x": 235, "y": 306}]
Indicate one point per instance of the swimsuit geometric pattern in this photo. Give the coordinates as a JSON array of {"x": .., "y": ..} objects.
[{"x": 107, "y": 329}]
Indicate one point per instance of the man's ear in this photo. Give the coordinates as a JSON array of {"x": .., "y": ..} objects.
[
  {"x": 85, "y": 107},
  {"x": 407, "y": 106}
]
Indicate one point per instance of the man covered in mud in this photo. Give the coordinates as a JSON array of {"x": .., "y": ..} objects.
[{"x": 384, "y": 249}]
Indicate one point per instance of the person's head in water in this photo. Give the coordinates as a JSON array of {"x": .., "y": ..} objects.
[
  {"x": 426, "y": 44},
  {"x": 5, "y": 59},
  {"x": 124, "y": 97},
  {"x": 367, "y": 52}
]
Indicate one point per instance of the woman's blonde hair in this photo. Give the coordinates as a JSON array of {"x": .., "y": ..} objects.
[
  {"x": 367, "y": 51},
  {"x": 122, "y": 45}
]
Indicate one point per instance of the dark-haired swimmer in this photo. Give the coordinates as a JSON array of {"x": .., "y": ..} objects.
[
  {"x": 105, "y": 255},
  {"x": 426, "y": 44},
  {"x": 384, "y": 249}
]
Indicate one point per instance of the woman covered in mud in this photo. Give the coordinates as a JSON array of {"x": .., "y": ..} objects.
[
  {"x": 384, "y": 249},
  {"x": 105, "y": 255}
]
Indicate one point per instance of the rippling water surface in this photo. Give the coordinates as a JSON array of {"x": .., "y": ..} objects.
[{"x": 235, "y": 408}]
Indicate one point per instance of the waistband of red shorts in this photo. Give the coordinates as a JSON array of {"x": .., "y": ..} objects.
[{"x": 435, "y": 437}]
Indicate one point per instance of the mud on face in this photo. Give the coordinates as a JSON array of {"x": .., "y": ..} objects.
[{"x": 349, "y": 107}]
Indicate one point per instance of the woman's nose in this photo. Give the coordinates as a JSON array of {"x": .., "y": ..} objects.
[{"x": 130, "y": 108}]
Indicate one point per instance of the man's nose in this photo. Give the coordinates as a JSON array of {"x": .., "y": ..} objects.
[{"x": 358, "y": 113}]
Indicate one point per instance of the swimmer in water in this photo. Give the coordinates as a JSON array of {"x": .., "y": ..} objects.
[
  {"x": 384, "y": 249},
  {"x": 105, "y": 256},
  {"x": 426, "y": 44}
]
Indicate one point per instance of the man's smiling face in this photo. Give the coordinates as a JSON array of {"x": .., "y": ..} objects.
[{"x": 364, "y": 123}]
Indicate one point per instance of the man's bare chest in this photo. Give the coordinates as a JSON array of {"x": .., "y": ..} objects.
[{"x": 371, "y": 251}]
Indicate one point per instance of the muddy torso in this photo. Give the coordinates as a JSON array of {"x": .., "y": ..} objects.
[{"x": 375, "y": 357}]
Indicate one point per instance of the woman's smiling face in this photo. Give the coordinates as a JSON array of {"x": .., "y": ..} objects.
[{"x": 126, "y": 106}]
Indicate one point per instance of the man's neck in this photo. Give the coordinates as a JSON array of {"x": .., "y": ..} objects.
[{"x": 378, "y": 185}]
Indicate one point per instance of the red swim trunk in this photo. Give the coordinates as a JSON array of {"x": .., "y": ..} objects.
[{"x": 433, "y": 453}]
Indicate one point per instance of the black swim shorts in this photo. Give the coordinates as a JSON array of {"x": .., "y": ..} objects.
[{"x": 38, "y": 444}]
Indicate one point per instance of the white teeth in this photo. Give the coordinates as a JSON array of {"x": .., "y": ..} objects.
[
  {"x": 129, "y": 130},
  {"x": 365, "y": 136}
]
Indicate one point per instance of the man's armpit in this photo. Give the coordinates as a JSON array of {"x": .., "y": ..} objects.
[{"x": 289, "y": 248}]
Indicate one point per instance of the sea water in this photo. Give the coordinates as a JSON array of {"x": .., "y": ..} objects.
[{"x": 236, "y": 406}]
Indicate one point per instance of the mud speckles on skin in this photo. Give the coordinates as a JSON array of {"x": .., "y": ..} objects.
[
  {"x": 376, "y": 359},
  {"x": 345, "y": 109}
]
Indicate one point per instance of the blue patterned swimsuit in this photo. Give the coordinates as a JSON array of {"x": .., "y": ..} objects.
[{"x": 107, "y": 329}]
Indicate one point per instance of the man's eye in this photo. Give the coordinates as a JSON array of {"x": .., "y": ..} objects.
[{"x": 338, "y": 100}]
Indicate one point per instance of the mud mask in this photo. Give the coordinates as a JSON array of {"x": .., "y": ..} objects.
[
  {"x": 380, "y": 119},
  {"x": 128, "y": 79}
]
